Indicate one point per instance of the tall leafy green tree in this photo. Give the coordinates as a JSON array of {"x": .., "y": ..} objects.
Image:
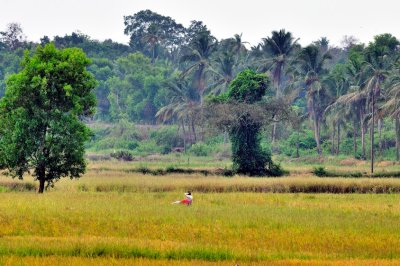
[
  {"x": 136, "y": 89},
  {"x": 13, "y": 37},
  {"x": 42, "y": 132},
  {"x": 149, "y": 29}
]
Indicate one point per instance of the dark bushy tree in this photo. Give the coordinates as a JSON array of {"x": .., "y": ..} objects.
[
  {"x": 244, "y": 117},
  {"x": 40, "y": 116}
]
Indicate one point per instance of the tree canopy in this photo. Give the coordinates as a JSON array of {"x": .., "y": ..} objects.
[{"x": 41, "y": 115}]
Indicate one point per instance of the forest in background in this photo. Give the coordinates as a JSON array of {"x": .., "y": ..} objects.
[{"x": 151, "y": 93}]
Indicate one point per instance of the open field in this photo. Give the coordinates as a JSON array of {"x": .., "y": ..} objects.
[{"x": 114, "y": 217}]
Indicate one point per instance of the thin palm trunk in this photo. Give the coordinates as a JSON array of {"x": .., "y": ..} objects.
[
  {"x": 297, "y": 145},
  {"x": 355, "y": 138},
  {"x": 380, "y": 126},
  {"x": 201, "y": 83},
  {"x": 317, "y": 136},
  {"x": 362, "y": 135},
  {"x": 153, "y": 54},
  {"x": 397, "y": 122},
  {"x": 316, "y": 129},
  {"x": 372, "y": 132},
  {"x": 278, "y": 93},
  {"x": 338, "y": 140},
  {"x": 333, "y": 137},
  {"x": 194, "y": 131},
  {"x": 184, "y": 135},
  {"x": 273, "y": 133}
]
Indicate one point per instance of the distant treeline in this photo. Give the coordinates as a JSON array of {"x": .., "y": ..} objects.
[{"x": 338, "y": 95}]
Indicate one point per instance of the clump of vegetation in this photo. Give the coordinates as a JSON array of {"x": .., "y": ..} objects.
[
  {"x": 322, "y": 172},
  {"x": 245, "y": 121},
  {"x": 122, "y": 155},
  {"x": 167, "y": 137},
  {"x": 200, "y": 149},
  {"x": 17, "y": 186}
]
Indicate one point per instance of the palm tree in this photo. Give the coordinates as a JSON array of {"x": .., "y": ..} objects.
[
  {"x": 277, "y": 50},
  {"x": 392, "y": 108},
  {"x": 227, "y": 63},
  {"x": 378, "y": 64},
  {"x": 198, "y": 53},
  {"x": 183, "y": 107},
  {"x": 152, "y": 38},
  {"x": 312, "y": 61}
]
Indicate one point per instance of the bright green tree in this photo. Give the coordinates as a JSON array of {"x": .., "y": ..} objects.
[{"x": 42, "y": 132}]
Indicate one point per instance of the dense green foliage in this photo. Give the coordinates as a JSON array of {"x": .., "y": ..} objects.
[
  {"x": 40, "y": 115},
  {"x": 248, "y": 156},
  {"x": 346, "y": 99}
]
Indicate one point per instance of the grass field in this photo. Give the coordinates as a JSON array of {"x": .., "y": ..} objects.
[{"x": 114, "y": 217}]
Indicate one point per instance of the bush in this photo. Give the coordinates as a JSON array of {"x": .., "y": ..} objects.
[
  {"x": 320, "y": 171},
  {"x": 122, "y": 135},
  {"x": 168, "y": 138},
  {"x": 122, "y": 155},
  {"x": 149, "y": 147},
  {"x": 200, "y": 149}
]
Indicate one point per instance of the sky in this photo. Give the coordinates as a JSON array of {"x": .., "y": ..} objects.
[{"x": 255, "y": 19}]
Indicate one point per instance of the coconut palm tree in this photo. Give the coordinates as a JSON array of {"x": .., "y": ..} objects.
[
  {"x": 198, "y": 54},
  {"x": 227, "y": 63},
  {"x": 275, "y": 52},
  {"x": 392, "y": 108},
  {"x": 183, "y": 107},
  {"x": 378, "y": 64},
  {"x": 311, "y": 62}
]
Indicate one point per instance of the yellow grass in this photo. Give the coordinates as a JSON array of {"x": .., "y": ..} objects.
[{"x": 111, "y": 217}]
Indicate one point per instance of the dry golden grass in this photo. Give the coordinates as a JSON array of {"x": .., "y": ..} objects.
[
  {"x": 113, "y": 217},
  {"x": 61, "y": 261}
]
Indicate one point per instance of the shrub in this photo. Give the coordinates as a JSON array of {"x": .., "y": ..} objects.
[
  {"x": 320, "y": 171},
  {"x": 168, "y": 138},
  {"x": 122, "y": 155},
  {"x": 200, "y": 149}
]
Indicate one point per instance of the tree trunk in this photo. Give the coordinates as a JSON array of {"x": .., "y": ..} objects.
[
  {"x": 316, "y": 129},
  {"x": 333, "y": 137},
  {"x": 355, "y": 138},
  {"x": 225, "y": 136},
  {"x": 364, "y": 154},
  {"x": 317, "y": 136},
  {"x": 372, "y": 132},
  {"x": 201, "y": 84},
  {"x": 41, "y": 176},
  {"x": 397, "y": 122},
  {"x": 380, "y": 122},
  {"x": 338, "y": 139},
  {"x": 184, "y": 135},
  {"x": 41, "y": 186},
  {"x": 273, "y": 133},
  {"x": 297, "y": 145},
  {"x": 194, "y": 131}
]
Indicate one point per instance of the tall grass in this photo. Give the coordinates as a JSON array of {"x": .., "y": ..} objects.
[{"x": 244, "y": 227}]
